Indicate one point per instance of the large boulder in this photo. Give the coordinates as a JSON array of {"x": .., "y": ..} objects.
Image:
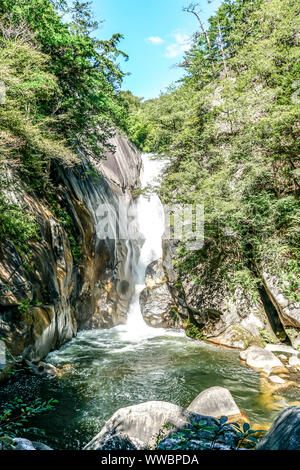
[
  {"x": 156, "y": 301},
  {"x": 238, "y": 337},
  {"x": 19, "y": 443},
  {"x": 261, "y": 359},
  {"x": 141, "y": 427},
  {"x": 219, "y": 312},
  {"x": 285, "y": 432},
  {"x": 217, "y": 402}
]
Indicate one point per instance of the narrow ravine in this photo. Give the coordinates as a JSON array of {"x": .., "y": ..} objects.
[{"x": 104, "y": 370}]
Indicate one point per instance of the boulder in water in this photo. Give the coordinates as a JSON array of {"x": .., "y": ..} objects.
[
  {"x": 261, "y": 359},
  {"x": 285, "y": 432},
  {"x": 24, "y": 444},
  {"x": 142, "y": 426},
  {"x": 217, "y": 402}
]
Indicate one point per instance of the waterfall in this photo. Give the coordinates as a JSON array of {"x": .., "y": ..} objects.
[{"x": 148, "y": 214}]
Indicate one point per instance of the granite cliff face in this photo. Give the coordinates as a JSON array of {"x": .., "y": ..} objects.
[
  {"x": 66, "y": 283},
  {"x": 225, "y": 311}
]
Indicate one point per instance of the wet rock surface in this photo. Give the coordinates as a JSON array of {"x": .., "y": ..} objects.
[
  {"x": 215, "y": 401},
  {"x": 285, "y": 432}
]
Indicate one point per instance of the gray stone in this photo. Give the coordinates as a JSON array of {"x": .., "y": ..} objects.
[
  {"x": 259, "y": 358},
  {"x": 215, "y": 401},
  {"x": 285, "y": 432},
  {"x": 43, "y": 369},
  {"x": 294, "y": 361},
  {"x": 24, "y": 444},
  {"x": 275, "y": 379},
  {"x": 141, "y": 425},
  {"x": 41, "y": 446},
  {"x": 281, "y": 348},
  {"x": 237, "y": 337},
  {"x": 156, "y": 300}
]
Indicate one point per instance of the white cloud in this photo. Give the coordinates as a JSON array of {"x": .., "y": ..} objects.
[
  {"x": 182, "y": 43},
  {"x": 155, "y": 40}
]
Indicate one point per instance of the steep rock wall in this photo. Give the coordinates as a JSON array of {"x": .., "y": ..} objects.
[{"x": 46, "y": 295}]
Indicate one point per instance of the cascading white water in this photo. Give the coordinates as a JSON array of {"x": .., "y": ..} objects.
[{"x": 150, "y": 224}]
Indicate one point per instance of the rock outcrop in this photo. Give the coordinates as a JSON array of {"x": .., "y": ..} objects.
[
  {"x": 217, "y": 402},
  {"x": 219, "y": 303},
  {"x": 74, "y": 275},
  {"x": 261, "y": 359},
  {"x": 285, "y": 432}
]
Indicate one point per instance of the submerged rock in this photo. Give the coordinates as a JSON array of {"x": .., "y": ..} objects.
[{"x": 285, "y": 432}]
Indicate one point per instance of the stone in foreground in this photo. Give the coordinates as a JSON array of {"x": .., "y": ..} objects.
[
  {"x": 138, "y": 427},
  {"x": 285, "y": 432},
  {"x": 215, "y": 401},
  {"x": 260, "y": 358}
]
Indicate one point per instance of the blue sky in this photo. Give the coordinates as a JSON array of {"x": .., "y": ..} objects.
[{"x": 156, "y": 33}]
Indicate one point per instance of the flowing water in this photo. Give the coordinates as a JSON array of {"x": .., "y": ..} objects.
[{"x": 129, "y": 364}]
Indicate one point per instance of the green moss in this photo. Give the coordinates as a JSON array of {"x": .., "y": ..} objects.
[{"x": 194, "y": 331}]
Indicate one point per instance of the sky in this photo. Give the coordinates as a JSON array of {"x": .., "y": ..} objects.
[{"x": 156, "y": 34}]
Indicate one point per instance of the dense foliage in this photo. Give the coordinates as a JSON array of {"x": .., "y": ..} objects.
[
  {"x": 231, "y": 130},
  {"x": 60, "y": 94}
]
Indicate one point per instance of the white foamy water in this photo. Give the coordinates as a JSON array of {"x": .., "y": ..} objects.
[{"x": 150, "y": 223}]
